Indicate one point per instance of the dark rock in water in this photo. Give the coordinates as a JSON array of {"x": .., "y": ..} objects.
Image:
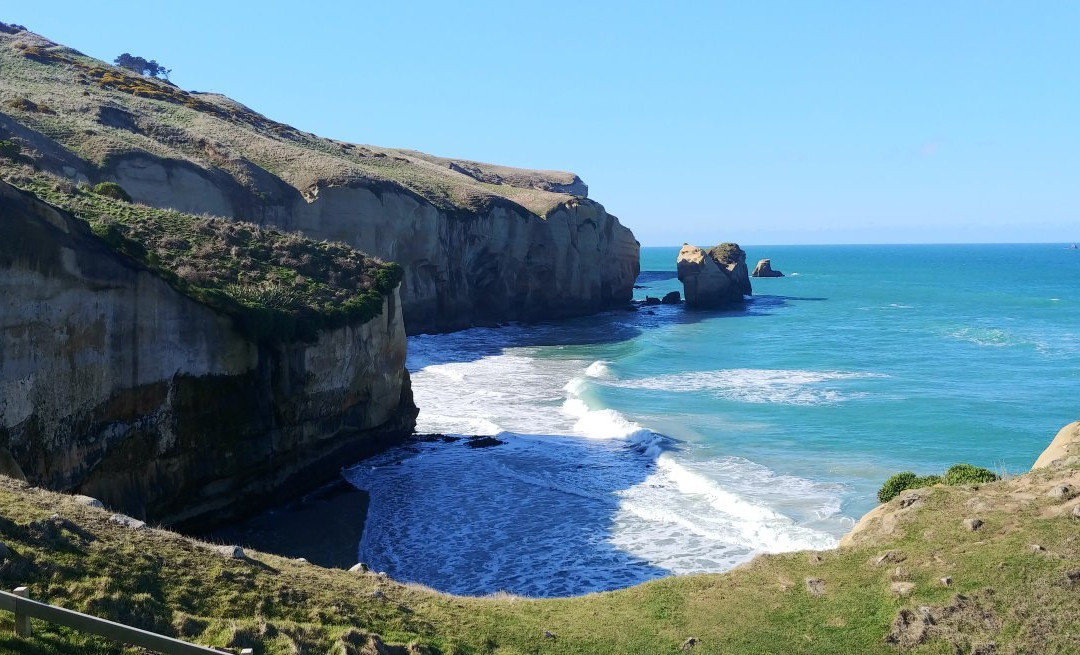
[
  {"x": 483, "y": 442},
  {"x": 764, "y": 269},
  {"x": 649, "y": 300},
  {"x": 638, "y": 286},
  {"x": 448, "y": 439},
  {"x": 715, "y": 277},
  {"x": 671, "y": 298}
]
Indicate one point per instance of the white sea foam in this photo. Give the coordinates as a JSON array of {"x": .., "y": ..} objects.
[
  {"x": 791, "y": 387},
  {"x": 555, "y": 515},
  {"x": 992, "y": 337},
  {"x": 598, "y": 369},
  {"x": 607, "y": 504}
]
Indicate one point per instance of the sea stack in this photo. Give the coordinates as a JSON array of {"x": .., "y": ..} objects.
[
  {"x": 715, "y": 277},
  {"x": 764, "y": 269}
]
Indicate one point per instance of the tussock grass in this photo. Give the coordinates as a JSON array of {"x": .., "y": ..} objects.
[{"x": 1002, "y": 592}]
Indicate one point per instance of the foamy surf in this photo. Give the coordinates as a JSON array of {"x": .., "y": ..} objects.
[
  {"x": 789, "y": 387},
  {"x": 581, "y": 498}
]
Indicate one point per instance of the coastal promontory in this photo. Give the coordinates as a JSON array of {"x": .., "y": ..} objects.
[{"x": 478, "y": 244}]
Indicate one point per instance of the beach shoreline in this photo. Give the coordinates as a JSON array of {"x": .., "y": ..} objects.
[{"x": 324, "y": 527}]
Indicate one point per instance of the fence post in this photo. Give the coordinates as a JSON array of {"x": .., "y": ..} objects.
[{"x": 22, "y": 620}]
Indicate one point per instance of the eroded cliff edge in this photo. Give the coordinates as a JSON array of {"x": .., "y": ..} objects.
[
  {"x": 116, "y": 385},
  {"x": 479, "y": 243}
]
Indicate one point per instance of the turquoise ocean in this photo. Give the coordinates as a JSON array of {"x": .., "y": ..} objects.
[{"x": 668, "y": 441}]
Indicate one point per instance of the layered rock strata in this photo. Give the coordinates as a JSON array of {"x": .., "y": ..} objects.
[{"x": 115, "y": 385}]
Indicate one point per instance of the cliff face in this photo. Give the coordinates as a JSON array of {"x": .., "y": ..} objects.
[
  {"x": 713, "y": 277},
  {"x": 497, "y": 262},
  {"x": 115, "y": 385},
  {"x": 479, "y": 243}
]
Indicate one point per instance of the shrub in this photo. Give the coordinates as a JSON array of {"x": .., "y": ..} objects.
[
  {"x": 903, "y": 481},
  {"x": 111, "y": 190},
  {"x": 968, "y": 474},
  {"x": 9, "y": 150},
  {"x": 29, "y": 106}
]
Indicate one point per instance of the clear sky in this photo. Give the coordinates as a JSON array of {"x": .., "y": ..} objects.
[{"x": 761, "y": 122}]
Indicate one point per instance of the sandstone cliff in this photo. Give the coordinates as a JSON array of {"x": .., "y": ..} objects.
[
  {"x": 479, "y": 243},
  {"x": 116, "y": 385},
  {"x": 714, "y": 277}
]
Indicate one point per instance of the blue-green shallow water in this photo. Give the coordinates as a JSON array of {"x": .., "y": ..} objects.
[{"x": 672, "y": 441}]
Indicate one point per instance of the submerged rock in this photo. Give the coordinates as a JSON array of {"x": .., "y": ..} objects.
[
  {"x": 764, "y": 269},
  {"x": 715, "y": 277},
  {"x": 483, "y": 442}
]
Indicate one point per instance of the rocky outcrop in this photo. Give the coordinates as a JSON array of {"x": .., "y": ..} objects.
[
  {"x": 115, "y": 385},
  {"x": 1061, "y": 456},
  {"x": 764, "y": 269},
  {"x": 714, "y": 277},
  {"x": 1065, "y": 446}
]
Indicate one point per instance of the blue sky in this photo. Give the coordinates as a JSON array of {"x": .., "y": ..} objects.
[{"x": 761, "y": 122}]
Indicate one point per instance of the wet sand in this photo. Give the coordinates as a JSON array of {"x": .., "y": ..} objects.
[{"x": 324, "y": 527}]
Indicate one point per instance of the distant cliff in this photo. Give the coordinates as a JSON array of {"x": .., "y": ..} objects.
[
  {"x": 478, "y": 243},
  {"x": 116, "y": 382}
]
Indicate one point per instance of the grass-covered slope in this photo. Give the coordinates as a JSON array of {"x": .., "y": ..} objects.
[
  {"x": 276, "y": 286},
  {"x": 100, "y": 112},
  {"x": 1013, "y": 586}
]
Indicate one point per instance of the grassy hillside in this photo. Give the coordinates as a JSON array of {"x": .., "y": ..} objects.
[
  {"x": 1013, "y": 586},
  {"x": 97, "y": 112}
]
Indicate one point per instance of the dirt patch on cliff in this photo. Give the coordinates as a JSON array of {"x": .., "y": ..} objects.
[{"x": 967, "y": 624}]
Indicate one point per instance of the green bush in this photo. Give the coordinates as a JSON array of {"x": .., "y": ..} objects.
[
  {"x": 111, "y": 190},
  {"x": 968, "y": 474},
  {"x": 903, "y": 481},
  {"x": 9, "y": 150},
  {"x": 956, "y": 474}
]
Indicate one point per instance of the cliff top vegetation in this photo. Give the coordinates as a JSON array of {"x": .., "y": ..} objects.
[
  {"x": 277, "y": 286},
  {"x": 914, "y": 578},
  {"x": 98, "y": 113}
]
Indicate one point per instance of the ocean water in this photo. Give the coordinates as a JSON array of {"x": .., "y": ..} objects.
[{"x": 668, "y": 441}]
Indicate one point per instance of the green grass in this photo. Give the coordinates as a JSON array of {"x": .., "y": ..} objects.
[
  {"x": 276, "y": 286},
  {"x": 1002, "y": 592}
]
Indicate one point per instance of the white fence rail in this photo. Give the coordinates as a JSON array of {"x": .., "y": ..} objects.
[{"x": 26, "y": 609}]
